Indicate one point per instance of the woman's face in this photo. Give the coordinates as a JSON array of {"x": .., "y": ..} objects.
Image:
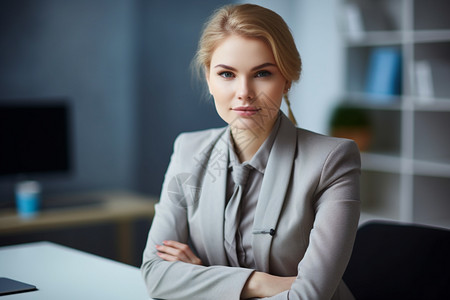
[{"x": 246, "y": 83}]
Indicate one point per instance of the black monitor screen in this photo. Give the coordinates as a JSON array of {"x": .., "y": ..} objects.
[{"x": 34, "y": 138}]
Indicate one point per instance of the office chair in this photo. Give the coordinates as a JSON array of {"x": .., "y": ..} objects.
[{"x": 399, "y": 261}]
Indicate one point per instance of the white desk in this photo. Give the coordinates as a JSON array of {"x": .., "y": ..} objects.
[{"x": 64, "y": 273}]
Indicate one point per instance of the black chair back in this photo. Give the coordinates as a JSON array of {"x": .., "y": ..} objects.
[{"x": 399, "y": 261}]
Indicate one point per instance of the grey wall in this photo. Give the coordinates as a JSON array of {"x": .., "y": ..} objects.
[
  {"x": 124, "y": 65},
  {"x": 170, "y": 102}
]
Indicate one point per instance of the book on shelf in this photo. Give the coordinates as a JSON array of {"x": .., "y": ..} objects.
[
  {"x": 354, "y": 24},
  {"x": 432, "y": 77},
  {"x": 424, "y": 81},
  {"x": 383, "y": 77}
]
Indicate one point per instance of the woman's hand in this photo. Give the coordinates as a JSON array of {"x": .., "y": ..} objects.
[
  {"x": 261, "y": 285},
  {"x": 176, "y": 251}
]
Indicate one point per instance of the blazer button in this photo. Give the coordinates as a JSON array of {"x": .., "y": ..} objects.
[{"x": 272, "y": 232}]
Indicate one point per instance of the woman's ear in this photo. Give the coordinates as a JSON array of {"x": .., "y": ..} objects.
[{"x": 287, "y": 87}]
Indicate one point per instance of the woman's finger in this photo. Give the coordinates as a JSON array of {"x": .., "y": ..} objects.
[
  {"x": 186, "y": 250},
  {"x": 173, "y": 252},
  {"x": 182, "y": 248},
  {"x": 179, "y": 250}
]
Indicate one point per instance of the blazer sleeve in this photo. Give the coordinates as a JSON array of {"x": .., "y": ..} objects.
[
  {"x": 179, "y": 280},
  {"x": 337, "y": 211}
]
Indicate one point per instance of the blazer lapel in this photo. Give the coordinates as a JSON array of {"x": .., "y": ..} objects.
[
  {"x": 273, "y": 191},
  {"x": 212, "y": 199}
]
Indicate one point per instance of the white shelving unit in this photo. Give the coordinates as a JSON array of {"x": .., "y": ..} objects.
[{"x": 406, "y": 171}]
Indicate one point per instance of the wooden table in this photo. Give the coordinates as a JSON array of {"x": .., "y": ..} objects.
[{"x": 117, "y": 207}]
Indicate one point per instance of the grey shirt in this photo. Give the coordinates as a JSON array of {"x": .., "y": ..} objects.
[{"x": 250, "y": 194}]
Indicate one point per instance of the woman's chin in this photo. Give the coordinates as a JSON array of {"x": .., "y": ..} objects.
[
  {"x": 254, "y": 125},
  {"x": 245, "y": 123}
]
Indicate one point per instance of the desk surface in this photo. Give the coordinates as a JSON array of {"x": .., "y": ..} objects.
[
  {"x": 115, "y": 206},
  {"x": 64, "y": 273},
  {"x": 118, "y": 207}
]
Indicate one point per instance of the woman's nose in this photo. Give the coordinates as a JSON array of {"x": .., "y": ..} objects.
[{"x": 245, "y": 92}]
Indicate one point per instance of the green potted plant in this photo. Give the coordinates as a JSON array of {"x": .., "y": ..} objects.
[{"x": 352, "y": 123}]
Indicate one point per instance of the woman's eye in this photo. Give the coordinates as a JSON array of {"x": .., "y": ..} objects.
[
  {"x": 226, "y": 74},
  {"x": 263, "y": 73}
]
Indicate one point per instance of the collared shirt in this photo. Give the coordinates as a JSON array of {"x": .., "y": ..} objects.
[{"x": 250, "y": 194}]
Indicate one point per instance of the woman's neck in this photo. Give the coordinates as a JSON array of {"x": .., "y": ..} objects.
[{"x": 248, "y": 141}]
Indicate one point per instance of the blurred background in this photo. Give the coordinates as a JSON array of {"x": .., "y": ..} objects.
[{"x": 374, "y": 71}]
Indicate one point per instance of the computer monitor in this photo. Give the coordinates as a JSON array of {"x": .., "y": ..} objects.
[{"x": 34, "y": 137}]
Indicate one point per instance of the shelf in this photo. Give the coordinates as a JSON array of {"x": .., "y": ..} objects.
[
  {"x": 363, "y": 100},
  {"x": 427, "y": 36},
  {"x": 375, "y": 38},
  {"x": 430, "y": 104},
  {"x": 380, "y": 162},
  {"x": 428, "y": 168},
  {"x": 392, "y": 164},
  {"x": 406, "y": 170}
]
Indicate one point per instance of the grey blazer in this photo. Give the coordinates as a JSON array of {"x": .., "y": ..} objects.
[{"x": 305, "y": 220}]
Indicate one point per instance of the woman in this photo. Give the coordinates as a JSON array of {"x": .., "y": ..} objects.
[{"x": 259, "y": 208}]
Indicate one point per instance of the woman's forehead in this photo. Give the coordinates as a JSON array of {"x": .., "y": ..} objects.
[{"x": 237, "y": 50}]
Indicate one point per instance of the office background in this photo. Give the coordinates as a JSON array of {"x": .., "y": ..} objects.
[{"x": 124, "y": 66}]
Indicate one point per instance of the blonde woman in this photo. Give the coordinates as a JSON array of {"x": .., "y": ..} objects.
[{"x": 259, "y": 208}]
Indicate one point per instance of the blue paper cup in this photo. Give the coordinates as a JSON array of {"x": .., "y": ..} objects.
[{"x": 28, "y": 199}]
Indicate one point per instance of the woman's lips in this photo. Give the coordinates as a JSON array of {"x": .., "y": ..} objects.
[{"x": 246, "y": 111}]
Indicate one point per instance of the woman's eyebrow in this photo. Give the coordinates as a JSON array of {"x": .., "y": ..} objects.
[
  {"x": 268, "y": 64},
  {"x": 225, "y": 67},
  {"x": 263, "y": 66}
]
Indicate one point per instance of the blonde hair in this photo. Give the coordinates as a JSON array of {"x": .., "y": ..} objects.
[{"x": 252, "y": 21}]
